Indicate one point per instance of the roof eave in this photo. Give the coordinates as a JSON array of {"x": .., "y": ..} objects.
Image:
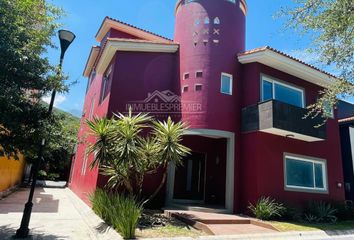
[
  {"x": 288, "y": 65},
  {"x": 114, "y": 45},
  {"x": 91, "y": 60},
  {"x": 109, "y": 23}
]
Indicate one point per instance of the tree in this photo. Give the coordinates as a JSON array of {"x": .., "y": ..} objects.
[
  {"x": 127, "y": 148},
  {"x": 330, "y": 24},
  {"x": 26, "y": 28}
]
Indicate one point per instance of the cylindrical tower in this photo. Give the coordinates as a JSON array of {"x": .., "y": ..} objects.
[{"x": 211, "y": 33}]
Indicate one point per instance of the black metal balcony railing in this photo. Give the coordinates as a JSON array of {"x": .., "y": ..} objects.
[{"x": 281, "y": 118}]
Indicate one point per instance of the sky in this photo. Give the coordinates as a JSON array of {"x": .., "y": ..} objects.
[{"x": 84, "y": 17}]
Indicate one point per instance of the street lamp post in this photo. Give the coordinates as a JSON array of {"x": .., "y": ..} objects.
[{"x": 66, "y": 38}]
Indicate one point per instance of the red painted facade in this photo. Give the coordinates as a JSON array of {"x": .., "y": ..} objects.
[{"x": 210, "y": 34}]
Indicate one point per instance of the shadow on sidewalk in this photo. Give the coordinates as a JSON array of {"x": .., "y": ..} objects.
[
  {"x": 7, "y": 232},
  {"x": 15, "y": 202}
]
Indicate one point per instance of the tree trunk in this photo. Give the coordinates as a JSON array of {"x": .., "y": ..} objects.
[{"x": 163, "y": 180}]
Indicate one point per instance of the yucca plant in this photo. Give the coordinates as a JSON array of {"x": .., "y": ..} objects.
[
  {"x": 127, "y": 147},
  {"x": 122, "y": 212},
  {"x": 321, "y": 212},
  {"x": 267, "y": 208}
]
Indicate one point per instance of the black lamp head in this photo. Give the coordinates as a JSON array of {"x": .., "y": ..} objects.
[{"x": 66, "y": 38}]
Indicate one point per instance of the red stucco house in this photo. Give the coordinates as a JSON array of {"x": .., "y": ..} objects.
[{"x": 245, "y": 110}]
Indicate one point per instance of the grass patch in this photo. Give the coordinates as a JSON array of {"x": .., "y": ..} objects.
[
  {"x": 168, "y": 231},
  {"x": 303, "y": 226},
  {"x": 154, "y": 224}
]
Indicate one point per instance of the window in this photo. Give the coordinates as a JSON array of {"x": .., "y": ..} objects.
[
  {"x": 272, "y": 89},
  {"x": 185, "y": 89},
  {"x": 185, "y": 76},
  {"x": 206, "y": 20},
  {"x": 84, "y": 164},
  {"x": 226, "y": 83},
  {"x": 216, "y": 21},
  {"x": 106, "y": 84},
  {"x": 198, "y": 87},
  {"x": 233, "y": 1},
  {"x": 303, "y": 173},
  {"x": 90, "y": 80},
  {"x": 92, "y": 108},
  {"x": 197, "y": 22},
  {"x": 199, "y": 74},
  {"x": 328, "y": 110}
]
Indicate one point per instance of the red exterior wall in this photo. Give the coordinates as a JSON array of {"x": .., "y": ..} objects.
[
  {"x": 83, "y": 184},
  {"x": 262, "y": 153}
]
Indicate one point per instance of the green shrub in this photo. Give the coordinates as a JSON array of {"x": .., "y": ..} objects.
[
  {"x": 267, "y": 208},
  {"x": 122, "y": 212},
  {"x": 42, "y": 174},
  {"x": 345, "y": 210},
  {"x": 53, "y": 176},
  {"x": 320, "y": 212}
]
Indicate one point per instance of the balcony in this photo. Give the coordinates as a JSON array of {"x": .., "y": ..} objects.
[{"x": 282, "y": 119}]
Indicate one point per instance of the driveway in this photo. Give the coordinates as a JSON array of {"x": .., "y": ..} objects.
[{"x": 57, "y": 214}]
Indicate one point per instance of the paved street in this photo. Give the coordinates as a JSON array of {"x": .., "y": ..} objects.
[{"x": 57, "y": 214}]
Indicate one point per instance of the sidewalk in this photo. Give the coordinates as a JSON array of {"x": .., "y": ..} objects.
[{"x": 57, "y": 214}]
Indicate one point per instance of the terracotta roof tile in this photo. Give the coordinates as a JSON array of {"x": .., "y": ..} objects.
[
  {"x": 262, "y": 49},
  {"x": 118, "y": 21}
]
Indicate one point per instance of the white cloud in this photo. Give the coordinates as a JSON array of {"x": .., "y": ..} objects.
[{"x": 59, "y": 99}]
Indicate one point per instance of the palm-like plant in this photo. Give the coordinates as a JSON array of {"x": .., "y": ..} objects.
[{"x": 127, "y": 147}]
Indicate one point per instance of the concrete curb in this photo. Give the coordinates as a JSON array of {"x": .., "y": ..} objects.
[
  {"x": 311, "y": 235},
  {"x": 99, "y": 229}
]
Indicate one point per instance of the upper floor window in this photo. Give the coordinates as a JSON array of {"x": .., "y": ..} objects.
[
  {"x": 199, "y": 74},
  {"x": 272, "y": 89},
  {"x": 90, "y": 80},
  {"x": 185, "y": 76},
  {"x": 105, "y": 87},
  {"x": 303, "y": 173},
  {"x": 226, "y": 83}
]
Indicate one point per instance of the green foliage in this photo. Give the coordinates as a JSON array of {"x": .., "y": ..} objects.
[
  {"x": 330, "y": 25},
  {"x": 42, "y": 174},
  {"x": 320, "y": 212},
  {"x": 345, "y": 210},
  {"x": 127, "y": 147},
  {"x": 26, "y": 29},
  {"x": 53, "y": 176},
  {"x": 122, "y": 212},
  {"x": 267, "y": 208}
]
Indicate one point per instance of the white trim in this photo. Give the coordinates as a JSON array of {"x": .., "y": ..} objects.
[
  {"x": 198, "y": 85},
  {"x": 114, "y": 45},
  {"x": 230, "y": 85},
  {"x": 288, "y": 65},
  {"x": 230, "y": 165},
  {"x": 199, "y": 71},
  {"x": 272, "y": 80},
  {"x": 322, "y": 162},
  {"x": 184, "y": 76},
  {"x": 183, "y": 87},
  {"x": 111, "y": 24},
  {"x": 84, "y": 164},
  {"x": 91, "y": 60}
]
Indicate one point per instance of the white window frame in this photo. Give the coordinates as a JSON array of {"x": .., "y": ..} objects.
[
  {"x": 314, "y": 161},
  {"x": 200, "y": 71},
  {"x": 183, "y": 87},
  {"x": 231, "y": 83},
  {"x": 185, "y": 74},
  {"x": 272, "y": 80},
  {"x": 198, "y": 85},
  {"x": 84, "y": 164},
  {"x": 92, "y": 107}
]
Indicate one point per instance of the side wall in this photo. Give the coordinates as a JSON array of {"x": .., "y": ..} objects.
[
  {"x": 11, "y": 172},
  {"x": 263, "y": 153}
]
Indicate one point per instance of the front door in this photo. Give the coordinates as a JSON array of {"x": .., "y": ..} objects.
[{"x": 190, "y": 178}]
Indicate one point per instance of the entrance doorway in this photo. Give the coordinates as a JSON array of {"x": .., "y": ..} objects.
[{"x": 189, "y": 181}]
